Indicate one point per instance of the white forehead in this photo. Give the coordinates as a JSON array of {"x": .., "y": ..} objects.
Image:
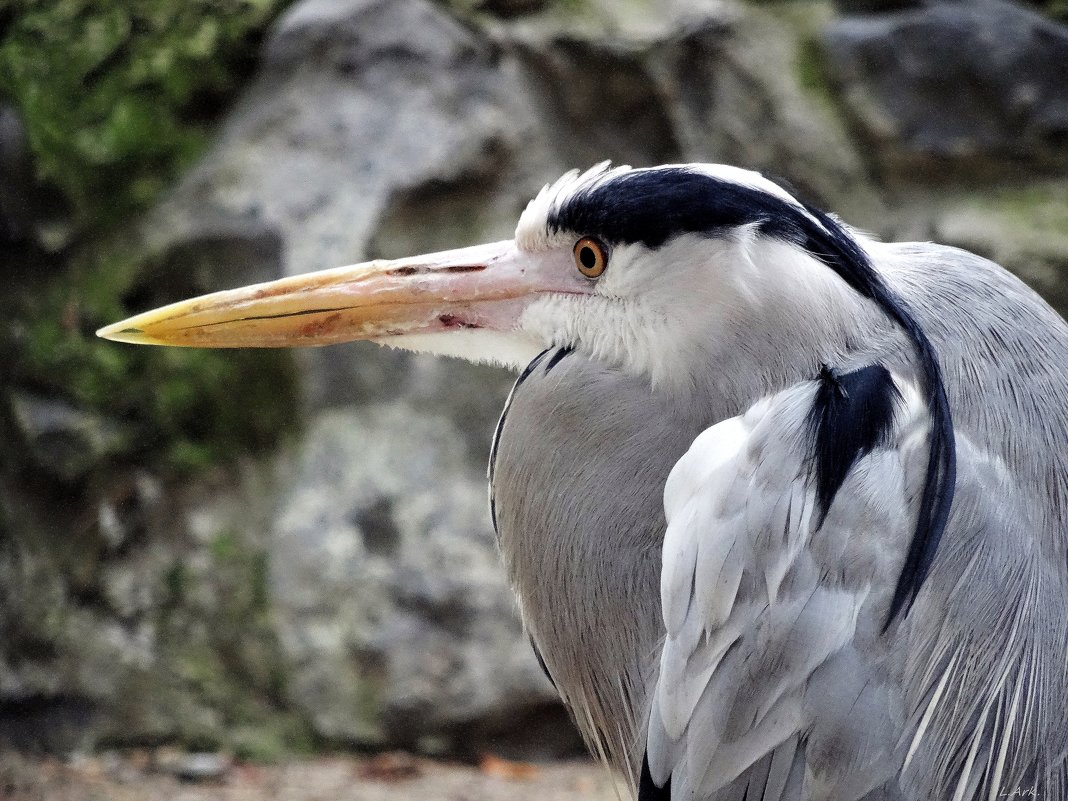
[{"x": 532, "y": 231}]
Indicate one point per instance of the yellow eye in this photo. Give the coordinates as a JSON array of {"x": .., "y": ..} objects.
[{"x": 591, "y": 256}]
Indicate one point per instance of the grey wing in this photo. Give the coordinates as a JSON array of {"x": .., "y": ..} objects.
[
  {"x": 986, "y": 673},
  {"x": 777, "y": 679}
]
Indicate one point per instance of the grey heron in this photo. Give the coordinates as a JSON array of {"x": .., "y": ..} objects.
[{"x": 783, "y": 506}]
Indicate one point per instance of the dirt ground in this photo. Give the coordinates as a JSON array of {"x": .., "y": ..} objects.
[{"x": 142, "y": 776}]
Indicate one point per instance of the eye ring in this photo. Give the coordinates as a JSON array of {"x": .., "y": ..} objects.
[{"x": 591, "y": 256}]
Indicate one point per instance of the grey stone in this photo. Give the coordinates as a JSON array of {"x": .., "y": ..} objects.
[
  {"x": 747, "y": 89},
  {"x": 32, "y": 600},
  {"x": 392, "y": 609},
  {"x": 599, "y": 100},
  {"x": 357, "y": 101},
  {"x": 63, "y": 441},
  {"x": 199, "y": 766},
  {"x": 185, "y": 257},
  {"x": 129, "y": 511},
  {"x": 954, "y": 87},
  {"x": 55, "y": 725}
]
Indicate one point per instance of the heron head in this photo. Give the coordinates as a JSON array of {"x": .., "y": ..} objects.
[{"x": 650, "y": 270}]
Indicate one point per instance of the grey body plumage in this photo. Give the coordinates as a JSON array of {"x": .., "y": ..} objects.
[
  {"x": 784, "y": 507},
  {"x": 585, "y": 451}
]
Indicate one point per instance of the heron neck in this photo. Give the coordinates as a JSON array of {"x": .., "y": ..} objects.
[{"x": 580, "y": 465}]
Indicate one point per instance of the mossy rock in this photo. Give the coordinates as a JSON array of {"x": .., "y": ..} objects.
[
  {"x": 1054, "y": 9},
  {"x": 118, "y": 97},
  {"x": 181, "y": 409}
]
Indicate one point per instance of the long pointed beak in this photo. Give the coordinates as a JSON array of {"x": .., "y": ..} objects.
[{"x": 485, "y": 286}]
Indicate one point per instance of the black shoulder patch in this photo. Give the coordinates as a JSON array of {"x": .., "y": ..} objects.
[
  {"x": 647, "y": 789},
  {"x": 851, "y": 414}
]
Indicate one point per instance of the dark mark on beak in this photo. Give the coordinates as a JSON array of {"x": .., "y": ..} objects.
[
  {"x": 263, "y": 317},
  {"x": 452, "y": 321}
]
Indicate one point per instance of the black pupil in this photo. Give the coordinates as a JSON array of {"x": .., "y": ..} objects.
[{"x": 588, "y": 257}]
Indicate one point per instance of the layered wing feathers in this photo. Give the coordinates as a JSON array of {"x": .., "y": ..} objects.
[
  {"x": 778, "y": 676},
  {"x": 772, "y": 607}
]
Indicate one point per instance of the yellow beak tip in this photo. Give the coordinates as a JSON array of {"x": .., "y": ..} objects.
[{"x": 118, "y": 332}]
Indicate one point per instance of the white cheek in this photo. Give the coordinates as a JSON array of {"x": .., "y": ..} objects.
[
  {"x": 623, "y": 278},
  {"x": 481, "y": 346},
  {"x": 626, "y": 334},
  {"x": 554, "y": 320}
]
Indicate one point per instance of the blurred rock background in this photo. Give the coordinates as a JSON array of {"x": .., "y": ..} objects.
[{"x": 268, "y": 552}]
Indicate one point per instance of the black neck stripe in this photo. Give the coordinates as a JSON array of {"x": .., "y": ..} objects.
[{"x": 491, "y": 469}]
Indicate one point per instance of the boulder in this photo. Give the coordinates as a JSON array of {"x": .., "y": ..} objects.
[
  {"x": 955, "y": 88},
  {"x": 392, "y": 610},
  {"x": 63, "y": 442}
]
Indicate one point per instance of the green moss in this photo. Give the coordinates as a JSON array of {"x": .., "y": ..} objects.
[
  {"x": 811, "y": 70},
  {"x": 117, "y": 95},
  {"x": 1038, "y": 206},
  {"x": 224, "y": 545},
  {"x": 1055, "y": 9},
  {"x": 178, "y": 409},
  {"x": 271, "y": 740},
  {"x": 223, "y": 674},
  {"x": 807, "y": 19},
  {"x": 174, "y": 584},
  {"x": 267, "y": 735}
]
